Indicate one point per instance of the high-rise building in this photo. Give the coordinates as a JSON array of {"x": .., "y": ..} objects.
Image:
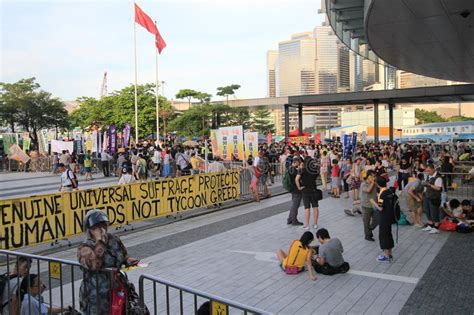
[
  {"x": 296, "y": 66},
  {"x": 326, "y": 59},
  {"x": 411, "y": 80},
  {"x": 272, "y": 58},
  {"x": 344, "y": 69}
]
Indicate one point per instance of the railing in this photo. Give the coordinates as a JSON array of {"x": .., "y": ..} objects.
[
  {"x": 458, "y": 185},
  {"x": 61, "y": 278},
  {"x": 188, "y": 303}
]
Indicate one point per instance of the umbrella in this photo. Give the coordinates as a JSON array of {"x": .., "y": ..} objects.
[{"x": 190, "y": 143}]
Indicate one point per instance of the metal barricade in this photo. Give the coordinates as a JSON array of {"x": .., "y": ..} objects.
[
  {"x": 458, "y": 185},
  {"x": 273, "y": 176},
  {"x": 60, "y": 275},
  {"x": 189, "y": 299}
]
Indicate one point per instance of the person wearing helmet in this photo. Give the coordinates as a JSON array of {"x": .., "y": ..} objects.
[{"x": 100, "y": 250}]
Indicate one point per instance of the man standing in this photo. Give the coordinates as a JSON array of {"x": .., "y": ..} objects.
[
  {"x": 68, "y": 180},
  {"x": 413, "y": 192},
  {"x": 432, "y": 199},
  {"x": 104, "y": 158},
  {"x": 370, "y": 217},
  {"x": 306, "y": 183},
  {"x": 295, "y": 193}
]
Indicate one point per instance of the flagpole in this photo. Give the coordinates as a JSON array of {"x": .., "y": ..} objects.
[
  {"x": 136, "y": 97},
  {"x": 157, "y": 99}
]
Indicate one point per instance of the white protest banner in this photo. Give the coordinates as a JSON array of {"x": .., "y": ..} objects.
[{"x": 59, "y": 146}]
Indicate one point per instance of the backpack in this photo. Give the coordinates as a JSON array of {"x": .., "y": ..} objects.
[
  {"x": 73, "y": 177},
  {"x": 403, "y": 219},
  {"x": 288, "y": 162},
  {"x": 3, "y": 286},
  {"x": 287, "y": 182}
]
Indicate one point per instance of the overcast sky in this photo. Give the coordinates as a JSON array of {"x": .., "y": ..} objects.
[{"x": 67, "y": 45}]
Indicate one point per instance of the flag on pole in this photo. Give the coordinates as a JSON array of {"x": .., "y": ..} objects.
[{"x": 144, "y": 20}]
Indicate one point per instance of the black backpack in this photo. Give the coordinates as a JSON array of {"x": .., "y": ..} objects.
[
  {"x": 73, "y": 177},
  {"x": 3, "y": 286}
]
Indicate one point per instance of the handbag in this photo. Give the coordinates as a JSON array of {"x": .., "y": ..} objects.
[
  {"x": 447, "y": 225},
  {"x": 318, "y": 194},
  {"x": 291, "y": 270}
]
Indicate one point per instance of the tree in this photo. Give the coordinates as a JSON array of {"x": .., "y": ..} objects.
[
  {"x": 119, "y": 109},
  {"x": 227, "y": 90},
  {"x": 189, "y": 94},
  {"x": 460, "y": 118},
  {"x": 425, "y": 117},
  {"x": 203, "y": 97},
  {"x": 262, "y": 122},
  {"x": 193, "y": 122},
  {"x": 24, "y": 104}
]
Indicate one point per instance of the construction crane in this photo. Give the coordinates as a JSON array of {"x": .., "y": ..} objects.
[{"x": 103, "y": 91}]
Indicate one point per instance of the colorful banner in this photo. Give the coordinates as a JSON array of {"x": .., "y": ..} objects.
[
  {"x": 126, "y": 135},
  {"x": 354, "y": 142},
  {"x": 113, "y": 139},
  {"x": 232, "y": 142},
  {"x": 17, "y": 154},
  {"x": 105, "y": 143},
  {"x": 44, "y": 218},
  {"x": 9, "y": 139},
  {"x": 346, "y": 143},
  {"x": 364, "y": 137},
  {"x": 60, "y": 146},
  {"x": 214, "y": 136},
  {"x": 251, "y": 144},
  {"x": 95, "y": 143},
  {"x": 89, "y": 143},
  {"x": 317, "y": 138},
  {"x": 43, "y": 141},
  {"x": 298, "y": 140},
  {"x": 77, "y": 146},
  {"x": 26, "y": 144}
]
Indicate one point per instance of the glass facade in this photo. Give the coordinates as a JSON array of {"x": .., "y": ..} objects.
[{"x": 272, "y": 57}]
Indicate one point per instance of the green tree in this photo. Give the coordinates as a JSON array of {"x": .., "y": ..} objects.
[
  {"x": 24, "y": 104},
  {"x": 425, "y": 117},
  {"x": 193, "y": 122},
  {"x": 262, "y": 121},
  {"x": 189, "y": 94},
  {"x": 227, "y": 90},
  {"x": 119, "y": 109},
  {"x": 203, "y": 97},
  {"x": 460, "y": 118}
]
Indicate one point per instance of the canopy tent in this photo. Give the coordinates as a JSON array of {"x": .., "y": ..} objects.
[{"x": 296, "y": 133}]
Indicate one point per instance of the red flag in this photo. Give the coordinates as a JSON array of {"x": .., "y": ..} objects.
[
  {"x": 317, "y": 139},
  {"x": 144, "y": 20}
]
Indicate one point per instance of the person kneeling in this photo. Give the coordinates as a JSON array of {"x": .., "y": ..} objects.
[
  {"x": 299, "y": 254},
  {"x": 329, "y": 260}
]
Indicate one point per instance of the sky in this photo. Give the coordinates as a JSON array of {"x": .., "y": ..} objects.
[{"x": 67, "y": 45}]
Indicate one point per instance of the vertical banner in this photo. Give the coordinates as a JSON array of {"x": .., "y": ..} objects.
[
  {"x": 77, "y": 146},
  {"x": 89, "y": 143},
  {"x": 346, "y": 142},
  {"x": 232, "y": 142},
  {"x": 44, "y": 139},
  {"x": 317, "y": 138},
  {"x": 354, "y": 143},
  {"x": 251, "y": 144},
  {"x": 99, "y": 141},
  {"x": 95, "y": 144},
  {"x": 214, "y": 135},
  {"x": 113, "y": 139},
  {"x": 126, "y": 135},
  {"x": 105, "y": 144},
  {"x": 269, "y": 138},
  {"x": 364, "y": 137},
  {"x": 26, "y": 144},
  {"x": 9, "y": 139}
]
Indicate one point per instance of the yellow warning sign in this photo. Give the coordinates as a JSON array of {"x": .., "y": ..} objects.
[
  {"x": 55, "y": 270},
  {"x": 218, "y": 308}
]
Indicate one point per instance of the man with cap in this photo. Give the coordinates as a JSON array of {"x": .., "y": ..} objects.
[{"x": 100, "y": 250}]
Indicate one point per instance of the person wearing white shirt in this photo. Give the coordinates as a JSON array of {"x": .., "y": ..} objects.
[
  {"x": 104, "y": 158},
  {"x": 432, "y": 199},
  {"x": 68, "y": 182},
  {"x": 127, "y": 177},
  {"x": 215, "y": 166}
]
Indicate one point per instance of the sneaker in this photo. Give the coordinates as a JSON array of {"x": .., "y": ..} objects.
[
  {"x": 369, "y": 238},
  {"x": 427, "y": 228},
  {"x": 383, "y": 258},
  {"x": 315, "y": 226},
  {"x": 434, "y": 231},
  {"x": 305, "y": 227},
  {"x": 390, "y": 258},
  {"x": 297, "y": 223},
  {"x": 349, "y": 212},
  {"x": 358, "y": 211}
]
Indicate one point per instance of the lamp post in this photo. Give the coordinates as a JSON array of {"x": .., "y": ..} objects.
[{"x": 163, "y": 88}]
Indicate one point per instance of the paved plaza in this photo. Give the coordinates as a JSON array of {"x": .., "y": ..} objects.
[{"x": 231, "y": 253}]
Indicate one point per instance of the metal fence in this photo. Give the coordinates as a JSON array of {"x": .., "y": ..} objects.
[
  {"x": 172, "y": 298},
  {"x": 458, "y": 185},
  {"x": 60, "y": 277}
]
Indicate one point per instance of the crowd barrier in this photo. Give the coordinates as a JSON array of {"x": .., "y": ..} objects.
[
  {"x": 59, "y": 275},
  {"x": 458, "y": 185},
  {"x": 63, "y": 279},
  {"x": 46, "y": 218},
  {"x": 189, "y": 299}
]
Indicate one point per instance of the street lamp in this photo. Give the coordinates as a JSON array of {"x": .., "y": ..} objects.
[{"x": 163, "y": 88}]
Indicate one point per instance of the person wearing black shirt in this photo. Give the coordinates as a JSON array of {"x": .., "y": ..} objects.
[
  {"x": 403, "y": 173},
  {"x": 306, "y": 183},
  {"x": 296, "y": 195}
]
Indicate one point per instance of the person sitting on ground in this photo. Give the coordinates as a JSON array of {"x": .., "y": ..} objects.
[
  {"x": 9, "y": 298},
  {"x": 32, "y": 303},
  {"x": 299, "y": 255},
  {"x": 453, "y": 210},
  {"x": 467, "y": 209},
  {"x": 330, "y": 260}
]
